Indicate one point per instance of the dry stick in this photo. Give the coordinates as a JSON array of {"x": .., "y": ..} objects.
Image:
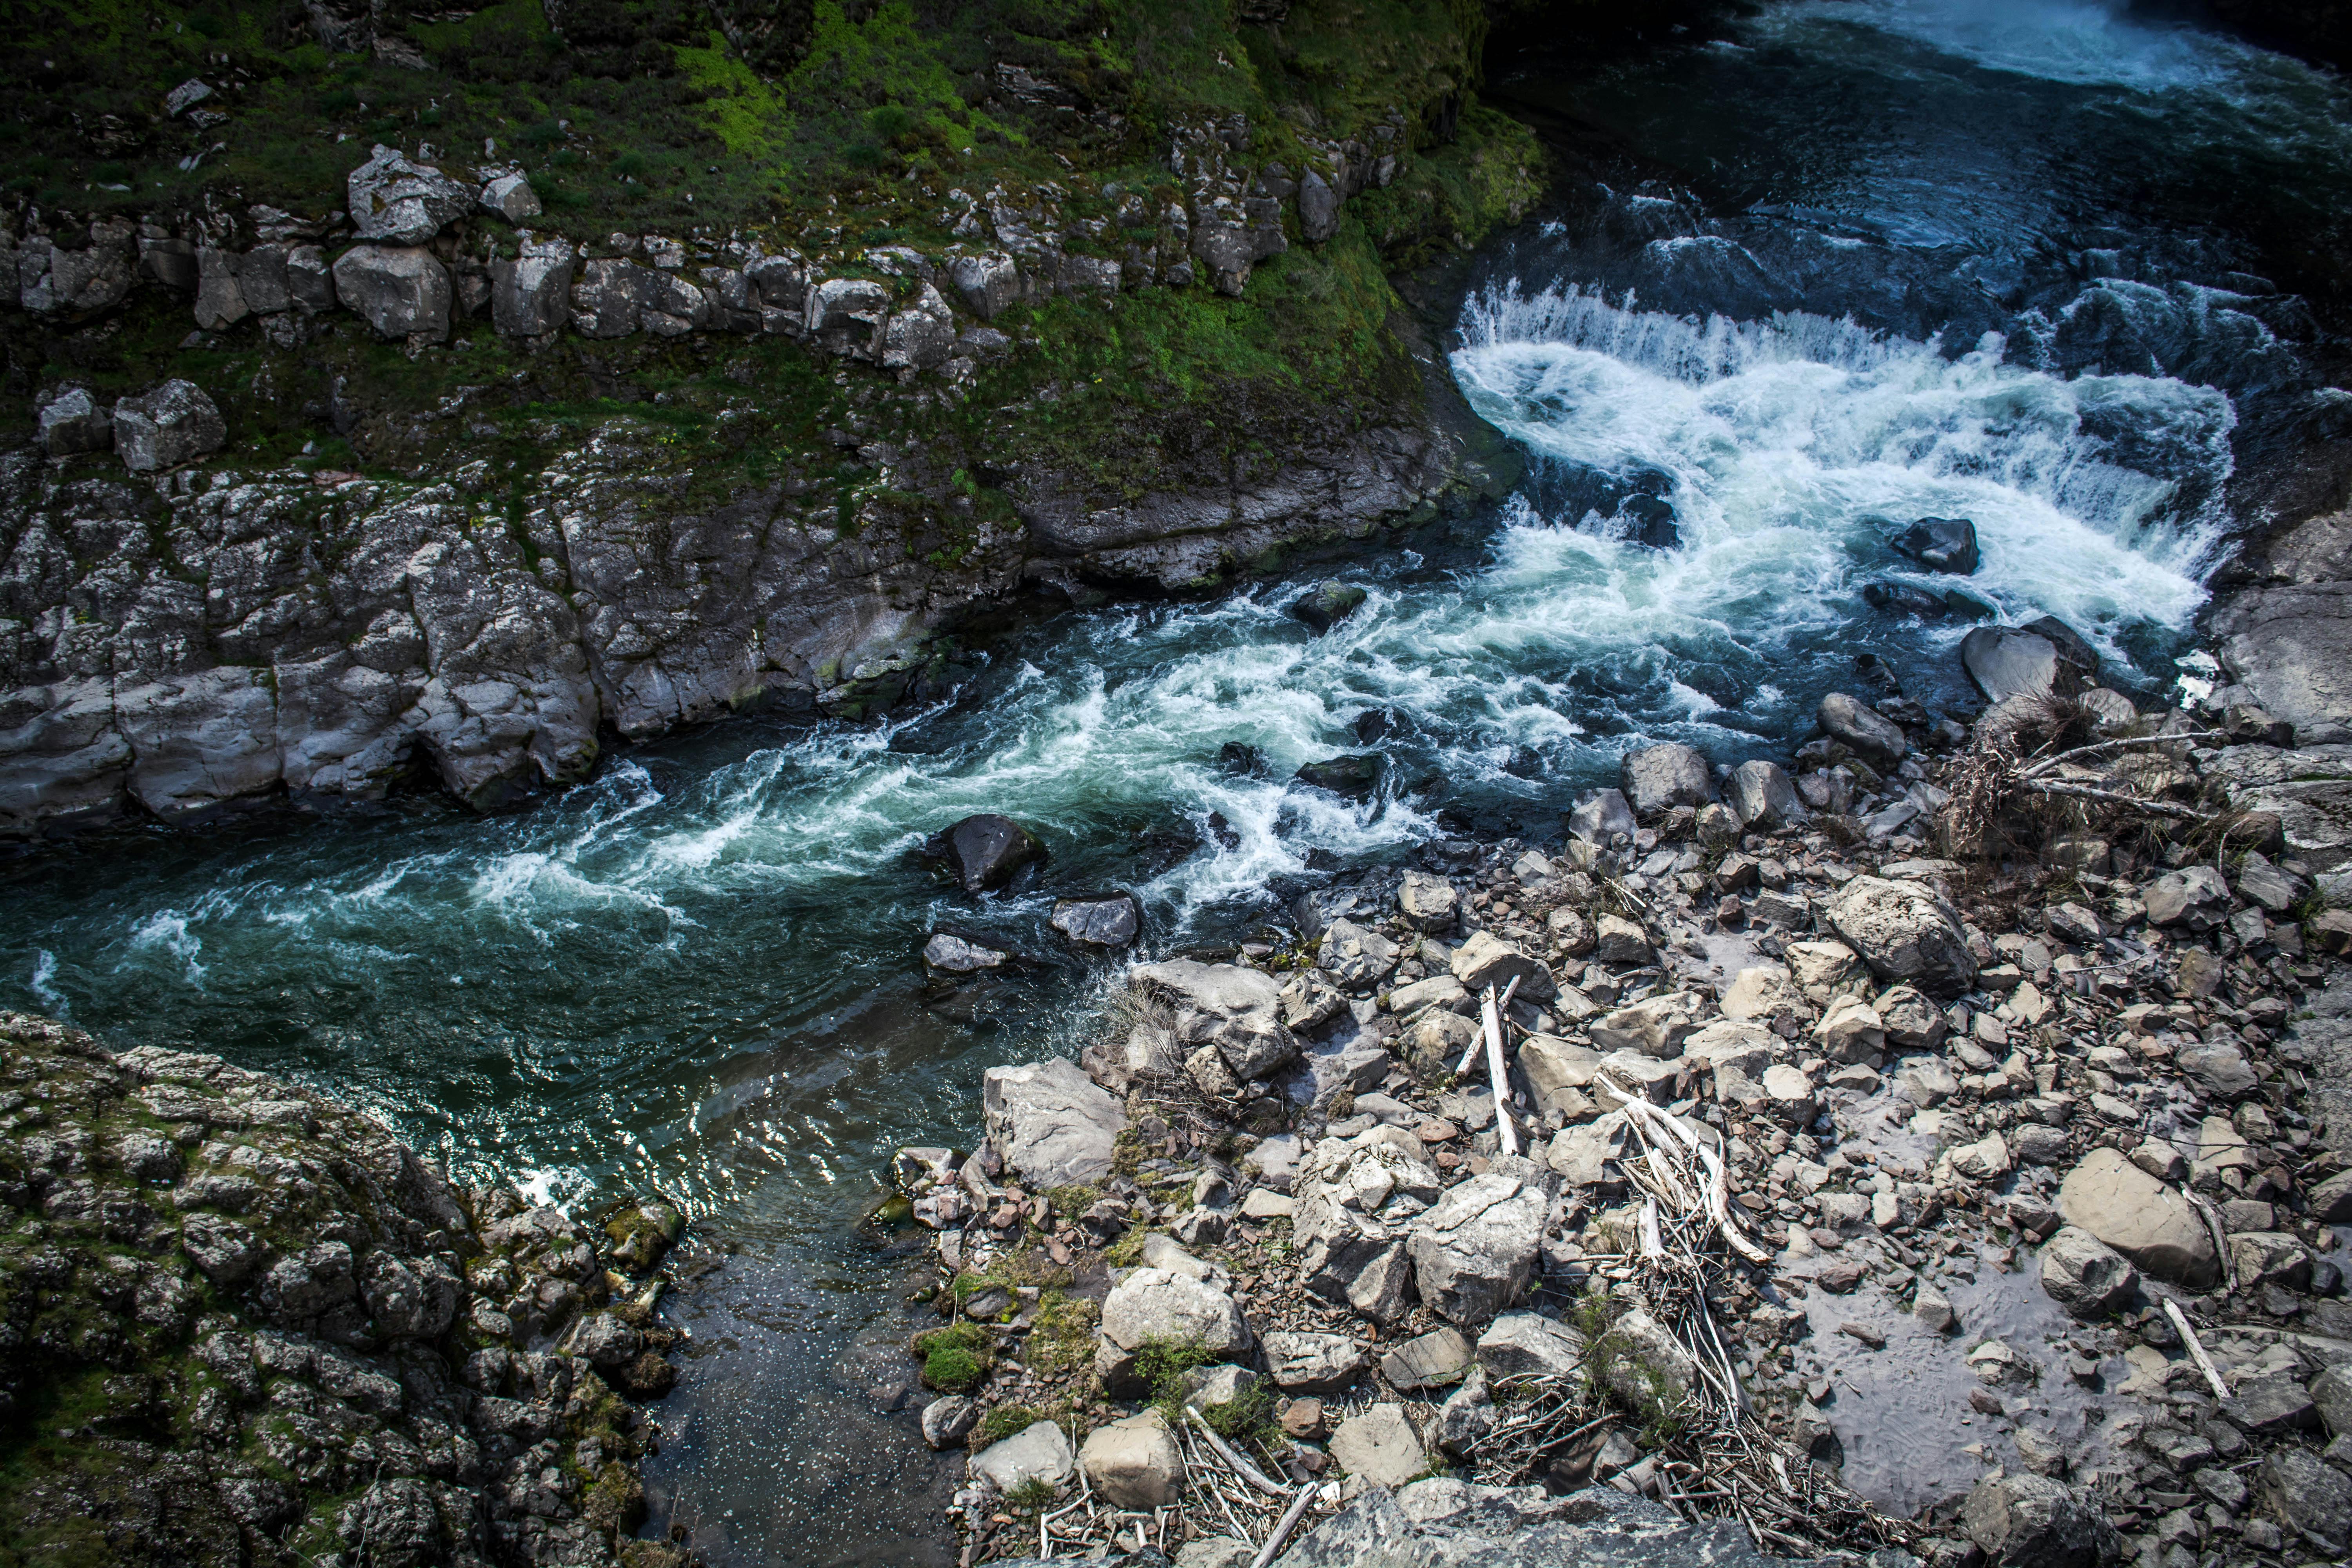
[
  {"x": 2083, "y": 792},
  {"x": 1479, "y": 1042},
  {"x": 2220, "y": 1240},
  {"x": 2067, "y": 756},
  {"x": 1282, "y": 1531},
  {"x": 2189, "y": 1338},
  {"x": 1242, "y": 1467},
  {"x": 1500, "y": 1078}
]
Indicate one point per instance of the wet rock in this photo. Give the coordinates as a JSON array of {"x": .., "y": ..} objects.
[
  {"x": 2013, "y": 661},
  {"x": 948, "y": 1419},
  {"x": 174, "y": 424},
  {"x": 1485, "y": 960},
  {"x": 1854, "y": 724},
  {"x": 74, "y": 422},
  {"x": 401, "y": 203},
  {"x": 1108, "y": 919},
  {"x": 1038, "y": 1453},
  {"x": 1158, "y": 1305},
  {"x": 402, "y": 291},
  {"x": 952, "y": 954},
  {"x": 639, "y": 1234},
  {"x": 985, "y": 851},
  {"x": 2085, "y": 1275},
  {"x": 1313, "y": 1362},
  {"x": 1763, "y": 796},
  {"x": 1355, "y": 775},
  {"x": 1941, "y": 544},
  {"x": 2140, "y": 1218},
  {"x": 1429, "y": 903},
  {"x": 1327, "y": 604},
  {"x": 1474, "y": 1252},
  {"x": 1656, "y": 779},
  {"x": 1135, "y": 1463},
  {"x": 531, "y": 295},
  {"x": 1380, "y": 1446},
  {"x": 2033, "y": 1521},
  {"x": 1904, "y": 932},
  {"x": 1051, "y": 1123}
]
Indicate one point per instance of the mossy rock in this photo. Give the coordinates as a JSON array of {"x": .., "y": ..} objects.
[{"x": 641, "y": 1235}]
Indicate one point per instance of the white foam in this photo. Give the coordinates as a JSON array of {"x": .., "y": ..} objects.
[
  {"x": 2085, "y": 42},
  {"x": 44, "y": 988}
]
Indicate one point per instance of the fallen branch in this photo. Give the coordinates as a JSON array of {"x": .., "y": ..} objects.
[
  {"x": 1496, "y": 1072},
  {"x": 1242, "y": 1467},
  {"x": 2196, "y": 1349},
  {"x": 2046, "y": 764},
  {"x": 2115, "y": 797},
  {"x": 1290, "y": 1518},
  {"x": 1477, "y": 1045}
]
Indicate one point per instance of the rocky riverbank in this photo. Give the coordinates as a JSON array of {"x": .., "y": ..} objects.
[
  {"x": 2021, "y": 1078},
  {"x": 241, "y": 1323}
]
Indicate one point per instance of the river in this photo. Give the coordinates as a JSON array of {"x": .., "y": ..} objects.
[{"x": 1858, "y": 263}]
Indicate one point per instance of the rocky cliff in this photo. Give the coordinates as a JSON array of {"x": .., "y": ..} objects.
[
  {"x": 734, "y": 363},
  {"x": 240, "y": 1323}
]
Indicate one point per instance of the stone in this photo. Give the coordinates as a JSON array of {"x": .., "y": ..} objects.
[
  {"x": 402, "y": 291},
  {"x": 1656, "y": 779},
  {"x": 1762, "y": 992},
  {"x": 1237, "y": 1010},
  {"x": 52, "y": 280},
  {"x": 187, "y": 96},
  {"x": 1345, "y": 1252},
  {"x": 531, "y": 295},
  {"x": 1313, "y": 1362},
  {"x": 2270, "y": 1257},
  {"x": 172, "y": 425},
  {"x": 1650, "y": 1366},
  {"x": 1941, "y": 544},
  {"x": 2196, "y": 896},
  {"x": 2008, "y": 661},
  {"x": 1761, "y": 795},
  {"x": 400, "y": 203},
  {"x": 1158, "y": 1304},
  {"x": 220, "y": 303},
  {"x": 1356, "y": 956},
  {"x": 1788, "y": 1095},
  {"x": 1926, "y": 1081},
  {"x": 2222, "y": 1071},
  {"x": 1485, "y": 960},
  {"x": 263, "y": 279},
  {"x": 73, "y": 422},
  {"x": 509, "y": 196},
  {"x": 2140, "y": 1218},
  {"x": 1474, "y": 1252},
  {"x": 1318, "y": 209},
  {"x": 952, "y": 954},
  {"x": 1932, "y": 1311},
  {"x": 1912, "y": 1022},
  {"x": 2331, "y": 1396},
  {"x": 986, "y": 851},
  {"x": 948, "y": 1419},
  {"x": 1428, "y": 904},
  {"x": 1904, "y": 932},
  {"x": 1380, "y": 1446},
  {"x": 1655, "y": 1026},
  {"x": 1040, "y": 1452},
  {"x": 1858, "y": 727},
  {"x": 1053, "y": 1124},
  {"x": 1557, "y": 1070},
  {"x": 1601, "y": 819},
  {"x": 1106, "y": 920},
  {"x": 1851, "y": 1031},
  {"x": 2035, "y": 1144},
  {"x": 1729, "y": 1044},
  {"x": 1832, "y": 965},
  {"x": 1622, "y": 942},
  {"x": 1355, "y": 775},
  {"x": 1529, "y": 1344},
  {"x": 1327, "y": 605},
  {"x": 1261, "y": 1205},
  {"x": 2085, "y": 1275},
  {"x": 1135, "y": 1463},
  {"x": 2025, "y": 1520},
  {"x": 920, "y": 334},
  {"x": 2331, "y": 1200},
  {"x": 2307, "y": 1495},
  {"x": 1985, "y": 1159},
  {"x": 1467, "y": 1416},
  {"x": 1433, "y": 1360},
  {"x": 2269, "y": 1406}
]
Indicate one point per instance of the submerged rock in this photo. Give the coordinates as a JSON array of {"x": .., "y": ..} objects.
[
  {"x": 1327, "y": 604},
  {"x": 1941, "y": 544},
  {"x": 1356, "y": 776},
  {"x": 986, "y": 851}
]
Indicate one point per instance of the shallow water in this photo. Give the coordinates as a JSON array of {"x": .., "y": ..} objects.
[{"x": 1878, "y": 262}]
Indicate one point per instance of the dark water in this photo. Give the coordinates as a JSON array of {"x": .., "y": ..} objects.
[{"x": 698, "y": 973}]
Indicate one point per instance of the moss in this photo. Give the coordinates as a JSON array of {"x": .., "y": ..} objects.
[
  {"x": 1004, "y": 1421},
  {"x": 1161, "y": 1363},
  {"x": 951, "y": 1369},
  {"x": 1061, "y": 1339},
  {"x": 1069, "y": 1203}
]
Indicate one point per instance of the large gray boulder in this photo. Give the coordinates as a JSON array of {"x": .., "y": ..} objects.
[
  {"x": 2140, "y": 1218},
  {"x": 2308, "y": 1496},
  {"x": 53, "y": 280},
  {"x": 1040, "y": 1452},
  {"x": 219, "y": 301},
  {"x": 1531, "y": 1345},
  {"x": 1656, "y": 779},
  {"x": 1237, "y": 1010},
  {"x": 1160, "y": 1306},
  {"x": 172, "y": 425},
  {"x": 1904, "y": 932},
  {"x": 920, "y": 334},
  {"x": 1941, "y": 544},
  {"x": 1355, "y": 956},
  {"x": 1601, "y": 817},
  {"x": 509, "y": 196},
  {"x": 845, "y": 316},
  {"x": 988, "y": 282},
  {"x": 2036, "y": 659},
  {"x": 2084, "y": 1275},
  {"x": 1318, "y": 209},
  {"x": 73, "y": 421},
  {"x": 2197, "y": 896},
  {"x": 2025, "y": 1520},
  {"x": 1475, "y": 1251},
  {"x": 1053, "y": 1124},
  {"x": 402, "y": 203},
  {"x": 1134, "y": 1463},
  {"x": 403, "y": 291},
  {"x": 1761, "y": 795},
  {"x": 1348, "y": 1251},
  {"x": 1105, "y": 919},
  {"x": 531, "y": 296},
  {"x": 985, "y": 851},
  {"x": 1858, "y": 727}
]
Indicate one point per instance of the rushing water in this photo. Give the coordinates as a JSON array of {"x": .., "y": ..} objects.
[{"x": 1867, "y": 261}]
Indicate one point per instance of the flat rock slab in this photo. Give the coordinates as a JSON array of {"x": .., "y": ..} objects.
[
  {"x": 1380, "y": 1446},
  {"x": 1038, "y": 1453},
  {"x": 2140, "y": 1216},
  {"x": 1053, "y": 1123},
  {"x": 1431, "y": 1361}
]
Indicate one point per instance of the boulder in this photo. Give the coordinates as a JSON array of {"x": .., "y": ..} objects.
[
  {"x": 402, "y": 291},
  {"x": 845, "y": 316},
  {"x": 2331, "y": 1395},
  {"x": 2033, "y": 660},
  {"x": 1581, "y": 1155},
  {"x": 1649, "y": 1367},
  {"x": 1655, "y": 1026},
  {"x": 1052, "y": 1123},
  {"x": 920, "y": 334},
  {"x": 52, "y": 281},
  {"x": 1433, "y": 1360},
  {"x": 1829, "y": 964},
  {"x": 1313, "y": 1363},
  {"x": 1851, "y": 1031},
  {"x": 1318, "y": 209},
  {"x": 73, "y": 421},
  {"x": 264, "y": 279},
  {"x": 1380, "y": 1446},
  {"x": 2221, "y": 1071},
  {"x": 1761, "y": 993},
  {"x": 1467, "y": 1418},
  {"x": 948, "y": 1419},
  {"x": 2308, "y": 1496},
  {"x": 402, "y": 203},
  {"x": 1904, "y": 932},
  {"x": 1941, "y": 544},
  {"x": 531, "y": 296},
  {"x": 1135, "y": 1463},
  {"x": 952, "y": 954},
  {"x": 988, "y": 282},
  {"x": 172, "y": 425},
  {"x": 1474, "y": 1252},
  {"x": 309, "y": 282},
  {"x": 986, "y": 851},
  {"x": 1656, "y": 779},
  {"x": 1327, "y": 604},
  {"x": 2025, "y": 1520},
  {"x": 220, "y": 303},
  {"x": 1858, "y": 727},
  {"x": 509, "y": 196},
  {"x": 1103, "y": 920},
  {"x": 1558, "y": 1071},
  {"x": 1622, "y": 942},
  {"x": 1238, "y": 1011},
  {"x": 2084, "y": 1275},
  {"x": 1356, "y": 956},
  {"x": 1355, "y": 775},
  {"x": 1601, "y": 819},
  {"x": 1428, "y": 904},
  {"x": 1486, "y": 959},
  {"x": 1529, "y": 1344},
  {"x": 2195, "y": 896},
  {"x": 1912, "y": 1022},
  {"x": 1161, "y": 1306},
  {"x": 1040, "y": 1452},
  {"x": 1733, "y": 1045},
  {"x": 2140, "y": 1218},
  {"x": 2269, "y": 1258},
  {"x": 1763, "y": 796},
  {"x": 1345, "y": 1252}
]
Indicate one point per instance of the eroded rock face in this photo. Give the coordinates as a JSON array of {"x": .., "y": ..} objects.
[{"x": 403, "y": 291}]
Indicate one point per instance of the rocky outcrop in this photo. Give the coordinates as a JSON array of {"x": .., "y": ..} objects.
[{"x": 297, "y": 1337}]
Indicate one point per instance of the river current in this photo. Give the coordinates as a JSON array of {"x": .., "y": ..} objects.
[{"x": 1863, "y": 262}]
